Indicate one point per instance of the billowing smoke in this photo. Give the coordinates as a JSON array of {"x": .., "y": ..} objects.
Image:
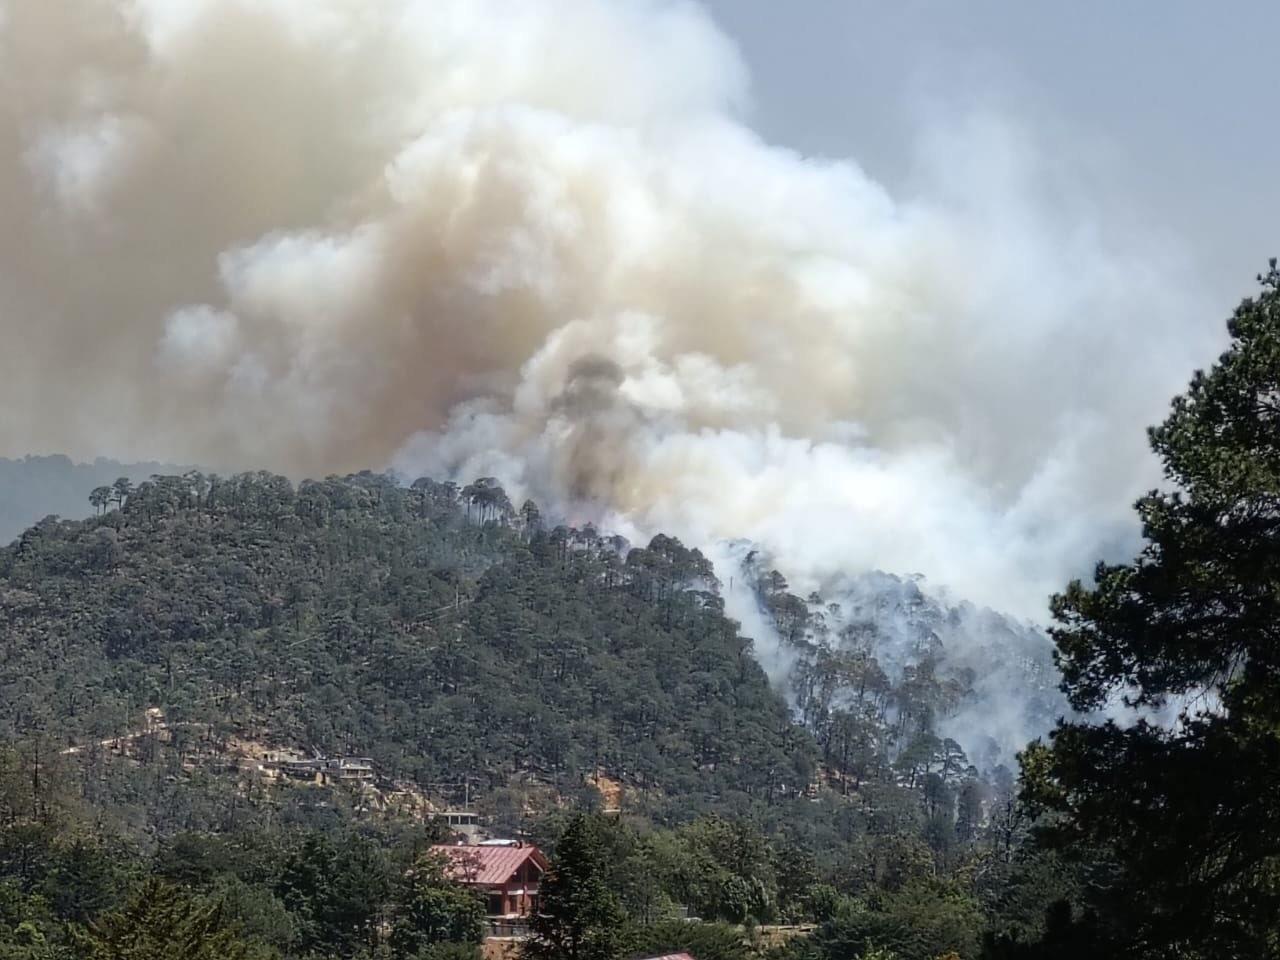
[{"x": 538, "y": 241}]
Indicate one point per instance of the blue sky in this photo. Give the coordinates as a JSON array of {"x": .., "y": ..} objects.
[{"x": 1166, "y": 110}]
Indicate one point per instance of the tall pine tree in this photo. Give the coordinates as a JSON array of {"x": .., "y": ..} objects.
[
  {"x": 579, "y": 916},
  {"x": 163, "y": 922},
  {"x": 1185, "y": 802}
]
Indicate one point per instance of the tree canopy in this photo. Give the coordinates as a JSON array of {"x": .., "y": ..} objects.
[{"x": 1180, "y": 794}]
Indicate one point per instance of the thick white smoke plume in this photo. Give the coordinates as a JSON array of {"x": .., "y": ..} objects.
[{"x": 537, "y": 240}]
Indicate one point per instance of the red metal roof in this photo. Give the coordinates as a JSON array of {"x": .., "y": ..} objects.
[{"x": 488, "y": 865}]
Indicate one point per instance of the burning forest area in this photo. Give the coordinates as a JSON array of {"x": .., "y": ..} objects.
[{"x": 638, "y": 480}]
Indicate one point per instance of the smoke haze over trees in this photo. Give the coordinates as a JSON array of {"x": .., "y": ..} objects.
[
  {"x": 742, "y": 481},
  {"x": 452, "y": 638},
  {"x": 294, "y": 236},
  {"x": 1187, "y": 810}
]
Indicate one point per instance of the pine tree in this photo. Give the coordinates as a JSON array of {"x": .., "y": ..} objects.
[
  {"x": 162, "y": 922},
  {"x": 436, "y": 910},
  {"x": 580, "y": 917},
  {"x": 1189, "y": 807}
]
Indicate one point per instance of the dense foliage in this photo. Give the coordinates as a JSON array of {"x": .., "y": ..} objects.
[
  {"x": 72, "y": 886},
  {"x": 1184, "y": 814},
  {"x": 70, "y": 889},
  {"x": 156, "y": 649},
  {"x": 360, "y": 617},
  {"x": 888, "y": 679}
]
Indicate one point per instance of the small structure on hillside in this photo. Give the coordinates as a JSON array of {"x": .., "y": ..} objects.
[
  {"x": 509, "y": 875},
  {"x": 325, "y": 770},
  {"x": 464, "y": 822}
]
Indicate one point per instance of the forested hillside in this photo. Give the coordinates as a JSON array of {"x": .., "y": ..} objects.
[
  {"x": 452, "y": 638},
  {"x": 433, "y": 631},
  {"x": 468, "y": 649},
  {"x": 881, "y": 671},
  {"x": 194, "y": 623}
]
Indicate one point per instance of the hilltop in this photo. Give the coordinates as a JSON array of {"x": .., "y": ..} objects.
[
  {"x": 172, "y": 663},
  {"x": 435, "y": 630},
  {"x": 467, "y": 647},
  {"x": 34, "y": 487}
]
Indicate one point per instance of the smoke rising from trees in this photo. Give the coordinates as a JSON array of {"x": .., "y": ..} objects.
[{"x": 540, "y": 242}]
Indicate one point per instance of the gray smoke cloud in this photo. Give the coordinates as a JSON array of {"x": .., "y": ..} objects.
[{"x": 539, "y": 241}]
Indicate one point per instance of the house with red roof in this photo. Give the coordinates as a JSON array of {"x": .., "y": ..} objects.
[{"x": 509, "y": 875}]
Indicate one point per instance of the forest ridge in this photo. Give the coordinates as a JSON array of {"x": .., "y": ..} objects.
[{"x": 449, "y": 635}]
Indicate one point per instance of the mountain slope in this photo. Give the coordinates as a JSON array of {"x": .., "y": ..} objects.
[
  {"x": 915, "y": 662},
  {"x": 426, "y": 628}
]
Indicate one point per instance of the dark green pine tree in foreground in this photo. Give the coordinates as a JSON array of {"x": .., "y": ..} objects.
[
  {"x": 163, "y": 923},
  {"x": 1187, "y": 812},
  {"x": 580, "y": 916}
]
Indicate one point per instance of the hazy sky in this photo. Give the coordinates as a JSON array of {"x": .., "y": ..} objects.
[
  {"x": 535, "y": 241},
  {"x": 1168, "y": 108}
]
